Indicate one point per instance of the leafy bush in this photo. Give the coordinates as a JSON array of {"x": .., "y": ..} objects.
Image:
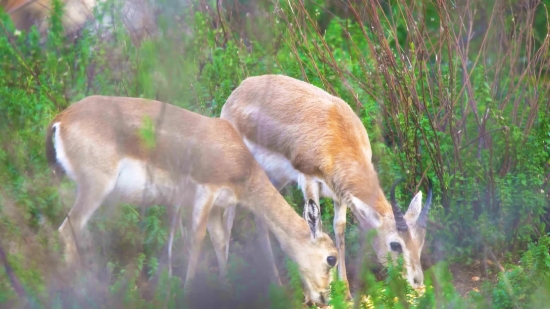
[{"x": 527, "y": 283}]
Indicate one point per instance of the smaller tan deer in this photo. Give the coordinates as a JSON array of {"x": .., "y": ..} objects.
[
  {"x": 187, "y": 160},
  {"x": 300, "y": 133}
]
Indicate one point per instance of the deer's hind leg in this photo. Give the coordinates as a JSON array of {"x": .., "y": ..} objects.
[
  {"x": 310, "y": 189},
  {"x": 176, "y": 221},
  {"x": 91, "y": 193},
  {"x": 204, "y": 199},
  {"x": 220, "y": 223}
]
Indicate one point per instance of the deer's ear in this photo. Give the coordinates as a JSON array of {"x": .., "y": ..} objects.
[
  {"x": 312, "y": 215},
  {"x": 414, "y": 209}
]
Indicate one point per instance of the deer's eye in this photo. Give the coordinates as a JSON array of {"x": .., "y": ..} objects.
[
  {"x": 396, "y": 247},
  {"x": 331, "y": 260}
]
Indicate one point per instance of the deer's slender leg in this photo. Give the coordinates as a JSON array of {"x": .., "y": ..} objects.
[
  {"x": 220, "y": 234},
  {"x": 339, "y": 231},
  {"x": 88, "y": 199},
  {"x": 204, "y": 199},
  {"x": 228, "y": 218},
  {"x": 310, "y": 189},
  {"x": 176, "y": 220}
]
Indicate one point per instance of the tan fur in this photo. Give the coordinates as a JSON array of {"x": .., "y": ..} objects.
[
  {"x": 319, "y": 138},
  {"x": 193, "y": 157},
  {"x": 325, "y": 141}
]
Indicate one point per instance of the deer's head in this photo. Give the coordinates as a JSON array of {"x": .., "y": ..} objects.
[
  {"x": 315, "y": 257},
  {"x": 401, "y": 234}
]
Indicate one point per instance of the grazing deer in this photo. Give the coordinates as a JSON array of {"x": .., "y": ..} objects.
[
  {"x": 186, "y": 160},
  {"x": 298, "y": 132}
]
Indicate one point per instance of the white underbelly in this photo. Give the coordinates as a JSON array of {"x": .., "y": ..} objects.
[
  {"x": 136, "y": 184},
  {"x": 277, "y": 166},
  {"x": 280, "y": 170}
]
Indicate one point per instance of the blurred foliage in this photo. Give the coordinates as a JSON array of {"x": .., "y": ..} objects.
[{"x": 457, "y": 91}]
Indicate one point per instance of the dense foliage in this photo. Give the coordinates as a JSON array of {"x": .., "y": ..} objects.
[{"x": 457, "y": 91}]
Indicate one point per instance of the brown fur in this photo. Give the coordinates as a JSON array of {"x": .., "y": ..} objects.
[
  {"x": 323, "y": 139},
  {"x": 339, "y": 149},
  {"x": 115, "y": 123},
  {"x": 99, "y": 135}
]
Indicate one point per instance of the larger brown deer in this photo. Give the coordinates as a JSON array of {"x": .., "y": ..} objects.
[
  {"x": 188, "y": 160},
  {"x": 298, "y": 132}
]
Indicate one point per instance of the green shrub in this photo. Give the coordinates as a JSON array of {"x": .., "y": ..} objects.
[{"x": 526, "y": 284}]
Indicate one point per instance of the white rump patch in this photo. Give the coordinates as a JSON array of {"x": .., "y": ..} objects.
[{"x": 61, "y": 154}]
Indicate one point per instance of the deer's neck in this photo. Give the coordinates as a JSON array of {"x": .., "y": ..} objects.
[
  {"x": 351, "y": 178},
  {"x": 262, "y": 199}
]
